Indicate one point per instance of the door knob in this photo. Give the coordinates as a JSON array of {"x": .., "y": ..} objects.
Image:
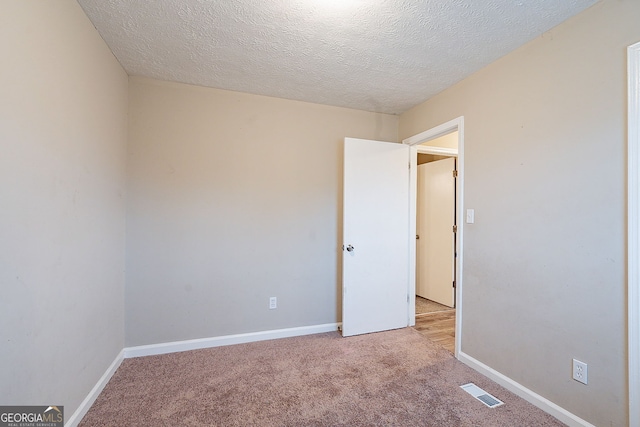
[{"x": 350, "y": 248}]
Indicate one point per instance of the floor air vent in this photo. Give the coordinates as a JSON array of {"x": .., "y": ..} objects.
[{"x": 481, "y": 395}]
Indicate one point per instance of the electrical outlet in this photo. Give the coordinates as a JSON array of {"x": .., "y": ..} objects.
[
  {"x": 580, "y": 371},
  {"x": 273, "y": 303}
]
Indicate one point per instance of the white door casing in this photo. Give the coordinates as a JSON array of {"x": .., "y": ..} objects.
[
  {"x": 375, "y": 266},
  {"x": 413, "y": 142},
  {"x": 633, "y": 230},
  {"x": 434, "y": 222}
]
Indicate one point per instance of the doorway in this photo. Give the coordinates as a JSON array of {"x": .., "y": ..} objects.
[
  {"x": 435, "y": 231},
  {"x": 422, "y": 143},
  {"x": 435, "y": 242}
]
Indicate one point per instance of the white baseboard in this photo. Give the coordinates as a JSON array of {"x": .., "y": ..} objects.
[
  {"x": 75, "y": 419},
  {"x": 173, "y": 347},
  {"x": 535, "y": 399},
  {"x": 176, "y": 346}
]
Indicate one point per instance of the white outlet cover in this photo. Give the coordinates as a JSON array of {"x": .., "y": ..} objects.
[{"x": 580, "y": 371}]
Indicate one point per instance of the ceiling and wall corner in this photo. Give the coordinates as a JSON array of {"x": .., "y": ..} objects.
[{"x": 367, "y": 55}]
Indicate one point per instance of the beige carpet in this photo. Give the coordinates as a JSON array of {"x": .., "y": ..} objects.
[
  {"x": 395, "y": 378},
  {"x": 424, "y": 306}
]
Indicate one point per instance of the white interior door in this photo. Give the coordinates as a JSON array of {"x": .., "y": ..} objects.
[
  {"x": 375, "y": 279},
  {"x": 434, "y": 226}
]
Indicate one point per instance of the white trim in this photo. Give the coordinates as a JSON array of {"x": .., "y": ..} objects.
[
  {"x": 414, "y": 141},
  {"x": 435, "y": 132},
  {"x": 438, "y": 151},
  {"x": 413, "y": 200},
  {"x": 530, "y": 396},
  {"x": 82, "y": 410},
  {"x": 633, "y": 230},
  {"x": 459, "y": 244},
  {"x": 177, "y": 346},
  {"x": 196, "y": 344}
]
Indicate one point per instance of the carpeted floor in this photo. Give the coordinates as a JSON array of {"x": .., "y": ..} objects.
[
  {"x": 394, "y": 378},
  {"x": 424, "y": 306}
]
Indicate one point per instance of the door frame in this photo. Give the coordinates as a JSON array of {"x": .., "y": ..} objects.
[
  {"x": 633, "y": 231},
  {"x": 456, "y": 124}
]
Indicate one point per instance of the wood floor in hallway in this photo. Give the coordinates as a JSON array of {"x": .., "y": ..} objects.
[{"x": 439, "y": 327}]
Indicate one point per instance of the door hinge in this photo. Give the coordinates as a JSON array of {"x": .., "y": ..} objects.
[
  {"x": 409, "y": 165},
  {"x": 455, "y": 173},
  {"x": 455, "y": 228},
  {"x": 454, "y": 283},
  {"x": 407, "y": 297}
]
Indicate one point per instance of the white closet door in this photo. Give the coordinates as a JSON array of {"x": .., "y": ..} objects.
[{"x": 434, "y": 225}]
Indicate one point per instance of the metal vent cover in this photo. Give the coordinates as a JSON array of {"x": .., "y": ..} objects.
[{"x": 481, "y": 395}]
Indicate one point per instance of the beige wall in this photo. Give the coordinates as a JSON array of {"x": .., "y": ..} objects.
[
  {"x": 234, "y": 198},
  {"x": 449, "y": 140},
  {"x": 63, "y": 119},
  {"x": 544, "y": 263}
]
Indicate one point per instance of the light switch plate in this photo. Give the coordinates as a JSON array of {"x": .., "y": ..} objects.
[{"x": 470, "y": 216}]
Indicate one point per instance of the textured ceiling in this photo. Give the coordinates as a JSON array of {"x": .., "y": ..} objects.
[{"x": 375, "y": 55}]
